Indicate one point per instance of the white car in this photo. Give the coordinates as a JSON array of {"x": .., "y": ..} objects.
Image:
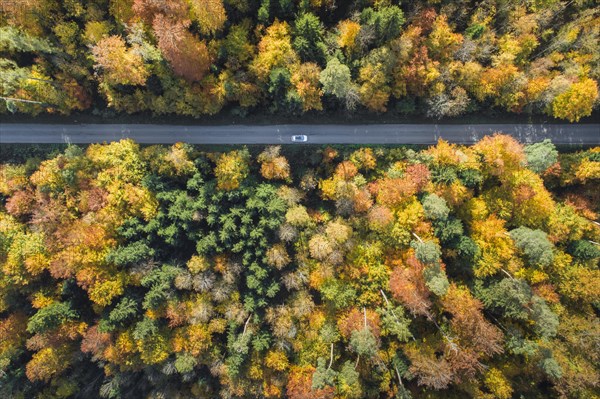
[{"x": 300, "y": 138}]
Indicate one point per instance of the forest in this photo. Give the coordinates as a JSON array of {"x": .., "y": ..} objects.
[
  {"x": 304, "y": 272},
  {"x": 426, "y": 58}
]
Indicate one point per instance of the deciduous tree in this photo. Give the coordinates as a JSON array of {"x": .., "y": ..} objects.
[
  {"x": 187, "y": 55},
  {"x": 118, "y": 64}
]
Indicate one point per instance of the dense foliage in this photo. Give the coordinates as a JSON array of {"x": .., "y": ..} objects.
[
  {"x": 171, "y": 272},
  {"x": 439, "y": 58}
]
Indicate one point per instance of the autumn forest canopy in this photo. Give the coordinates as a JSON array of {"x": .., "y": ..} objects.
[
  {"x": 438, "y": 58},
  {"x": 303, "y": 272}
]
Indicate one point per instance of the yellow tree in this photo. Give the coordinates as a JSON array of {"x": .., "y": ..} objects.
[
  {"x": 348, "y": 31},
  {"x": 500, "y": 154},
  {"x": 117, "y": 64},
  {"x": 374, "y": 91},
  {"x": 306, "y": 80},
  {"x": 497, "y": 383},
  {"x": 274, "y": 50},
  {"x": 364, "y": 158},
  {"x": 442, "y": 42},
  {"x": 272, "y": 165},
  {"x": 577, "y": 102},
  {"x": 496, "y": 246},
  {"x": 531, "y": 202},
  {"x": 500, "y": 83},
  {"x": 48, "y": 362},
  {"x": 210, "y": 15},
  {"x": 232, "y": 168}
]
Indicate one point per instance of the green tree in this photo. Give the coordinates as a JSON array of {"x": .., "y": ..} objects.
[
  {"x": 540, "y": 156},
  {"x": 534, "y": 244},
  {"x": 308, "y": 38},
  {"x": 435, "y": 207},
  {"x": 348, "y": 382},
  {"x": 584, "y": 250},
  {"x": 386, "y": 22},
  {"x": 324, "y": 376},
  {"x": 51, "y": 317},
  {"x": 336, "y": 79},
  {"x": 13, "y": 39},
  {"x": 436, "y": 279},
  {"x": 427, "y": 252},
  {"x": 363, "y": 343}
]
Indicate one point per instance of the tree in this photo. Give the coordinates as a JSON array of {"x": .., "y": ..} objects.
[
  {"x": 363, "y": 343},
  {"x": 393, "y": 192},
  {"x": 374, "y": 91},
  {"x": 187, "y": 55},
  {"x": 469, "y": 324},
  {"x": 300, "y": 384},
  {"x": 306, "y": 81},
  {"x": 46, "y": 363},
  {"x": 308, "y": 38},
  {"x": 495, "y": 245},
  {"x": 298, "y": 216},
  {"x": 273, "y": 165},
  {"x": 380, "y": 217},
  {"x": 320, "y": 247},
  {"x": 274, "y": 51},
  {"x": 501, "y": 154},
  {"x": 348, "y": 383},
  {"x": 348, "y": 32},
  {"x": 534, "y": 244},
  {"x": 210, "y": 15},
  {"x": 584, "y": 250},
  {"x": 515, "y": 299},
  {"x": 149, "y": 9},
  {"x": 16, "y": 40},
  {"x": 119, "y": 65},
  {"x": 546, "y": 321},
  {"x": 385, "y": 21},
  {"x": 436, "y": 279},
  {"x": 551, "y": 368},
  {"x": 531, "y": 202},
  {"x": 577, "y": 101},
  {"x": 364, "y": 159},
  {"x": 125, "y": 310},
  {"x": 323, "y": 377},
  {"x": 427, "y": 252},
  {"x": 442, "y": 42},
  {"x": 336, "y": 79},
  {"x": 231, "y": 170},
  {"x": 285, "y": 99},
  {"x": 407, "y": 284},
  {"x": 509, "y": 295},
  {"x": 435, "y": 207},
  {"x": 51, "y": 317},
  {"x": 498, "y": 384},
  {"x": 540, "y": 156},
  {"x": 338, "y": 231},
  {"x": 453, "y": 104},
  {"x": 430, "y": 371},
  {"x": 566, "y": 224},
  {"x": 237, "y": 48},
  {"x": 277, "y": 256}
]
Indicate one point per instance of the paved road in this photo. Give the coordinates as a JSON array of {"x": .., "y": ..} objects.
[{"x": 281, "y": 134}]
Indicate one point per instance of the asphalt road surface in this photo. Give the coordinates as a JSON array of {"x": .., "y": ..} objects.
[{"x": 578, "y": 134}]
